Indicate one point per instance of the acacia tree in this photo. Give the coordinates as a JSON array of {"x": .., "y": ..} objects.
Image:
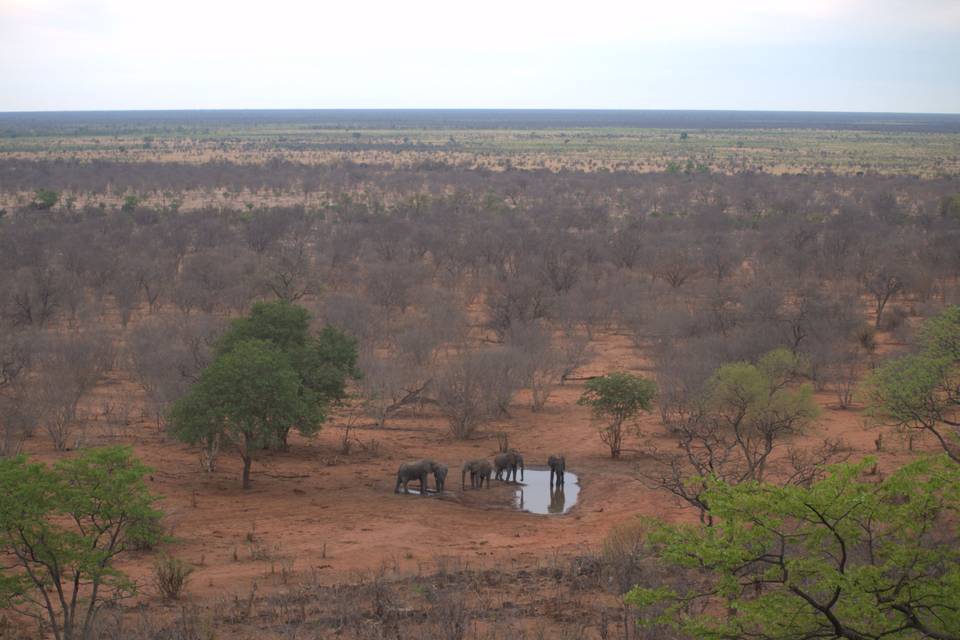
[
  {"x": 62, "y": 531},
  {"x": 922, "y": 390},
  {"x": 730, "y": 429},
  {"x": 843, "y": 558},
  {"x": 617, "y": 397}
]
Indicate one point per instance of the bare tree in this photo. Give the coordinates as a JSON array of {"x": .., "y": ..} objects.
[
  {"x": 676, "y": 261},
  {"x": 474, "y": 389},
  {"x": 389, "y": 385},
  {"x": 540, "y": 364},
  {"x": 883, "y": 282},
  {"x": 286, "y": 271},
  {"x": 69, "y": 367},
  {"x": 35, "y": 296},
  {"x": 392, "y": 285},
  {"x": 16, "y": 410},
  {"x": 166, "y": 358}
]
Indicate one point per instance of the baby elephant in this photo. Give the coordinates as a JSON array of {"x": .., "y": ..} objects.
[
  {"x": 479, "y": 470},
  {"x": 557, "y": 464},
  {"x": 508, "y": 462},
  {"x": 440, "y": 476},
  {"x": 418, "y": 470}
]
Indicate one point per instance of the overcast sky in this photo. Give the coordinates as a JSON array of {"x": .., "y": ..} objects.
[{"x": 836, "y": 55}]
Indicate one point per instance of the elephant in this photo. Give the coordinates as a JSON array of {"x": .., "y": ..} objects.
[
  {"x": 508, "y": 462},
  {"x": 474, "y": 468},
  {"x": 470, "y": 466},
  {"x": 484, "y": 471},
  {"x": 557, "y": 464},
  {"x": 418, "y": 470},
  {"x": 440, "y": 476}
]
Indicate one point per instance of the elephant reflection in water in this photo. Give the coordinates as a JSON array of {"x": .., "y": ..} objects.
[{"x": 557, "y": 500}]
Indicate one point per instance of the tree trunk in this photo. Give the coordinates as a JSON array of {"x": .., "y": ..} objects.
[{"x": 246, "y": 471}]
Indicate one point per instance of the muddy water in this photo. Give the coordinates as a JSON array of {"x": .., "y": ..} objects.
[{"x": 534, "y": 494}]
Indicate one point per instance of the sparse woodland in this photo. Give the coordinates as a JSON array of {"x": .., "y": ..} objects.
[{"x": 469, "y": 293}]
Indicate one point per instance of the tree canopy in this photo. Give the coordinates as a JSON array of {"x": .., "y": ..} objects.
[
  {"x": 922, "y": 390},
  {"x": 62, "y": 529},
  {"x": 617, "y": 397},
  {"x": 269, "y": 375},
  {"x": 248, "y": 397},
  {"x": 755, "y": 406},
  {"x": 843, "y": 558}
]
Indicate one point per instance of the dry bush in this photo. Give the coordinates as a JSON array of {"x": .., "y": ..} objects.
[
  {"x": 624, "y": 556},
  {"x": 449, "y": 615},
  {"x": 170, "y": 576}
]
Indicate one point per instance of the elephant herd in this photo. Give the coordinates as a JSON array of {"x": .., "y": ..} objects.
[{"x": 504, "y": 467}]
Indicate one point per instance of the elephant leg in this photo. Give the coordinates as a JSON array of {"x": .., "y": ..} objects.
[{"x": 423, "y": 485}]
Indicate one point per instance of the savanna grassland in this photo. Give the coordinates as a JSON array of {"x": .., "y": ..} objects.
[{"x": 477, "y": 274}]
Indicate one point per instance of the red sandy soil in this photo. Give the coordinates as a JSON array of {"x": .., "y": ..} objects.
[{"x": 315, "y": 511}]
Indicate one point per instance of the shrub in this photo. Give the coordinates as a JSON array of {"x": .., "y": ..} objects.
[{"x": 170, "y": 575}]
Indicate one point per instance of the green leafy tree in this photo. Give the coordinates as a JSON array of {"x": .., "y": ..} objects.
[
  {"x": 249, "y": 397},
  {"x": 285, "y": 325},
  {"x": 617, "y": 398},
  {"x": 922, "y": 390},
  {"x": 843, "y": 558},
  {"x": 130, "y": 204},
  {"x": 324, "y": 362},
  {"x": 729, "y": 431},
  {"x": 756, "y": 407},
  {"x": 62, "y": 530},
  {"x": 44, "y": 199}
]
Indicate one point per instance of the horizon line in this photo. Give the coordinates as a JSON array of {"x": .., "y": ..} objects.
[{"x": 514, "y": 109}]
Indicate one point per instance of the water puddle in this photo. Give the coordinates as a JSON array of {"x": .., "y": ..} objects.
[{"x": 535, "y": 495}]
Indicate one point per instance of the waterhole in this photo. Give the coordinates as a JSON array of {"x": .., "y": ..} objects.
[{"x": 534, "y": 495}]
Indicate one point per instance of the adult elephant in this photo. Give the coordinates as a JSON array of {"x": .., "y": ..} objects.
[
  {"x": 508, "y": 463},
  {"x": 479, "y": 470},
  {"x": 418, "y": 470},
  {"x": 558, "y": 465},
  {"x": 484, "y": 471}
]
